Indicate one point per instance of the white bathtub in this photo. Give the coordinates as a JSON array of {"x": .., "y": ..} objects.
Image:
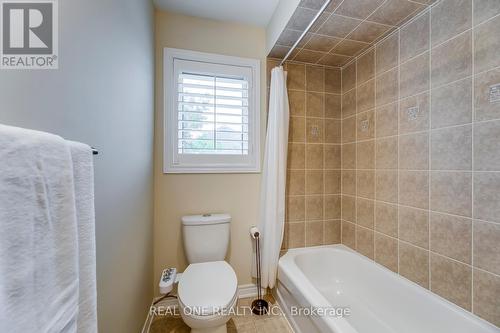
[{"x": 380, "y": 300}]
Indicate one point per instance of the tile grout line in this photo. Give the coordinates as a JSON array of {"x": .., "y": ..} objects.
[{"x": 398, "y": 68}]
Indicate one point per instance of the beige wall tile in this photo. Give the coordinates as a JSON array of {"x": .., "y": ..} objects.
[
  {"x": 487, "y": 146},
  {"x": 296, "y": 156},
  {"x": 332, "y": 130},
  {"x": 449, "y": 18},
  {"x": 414, "y": 114},
  {"x": 349, "y": 182},
  {"x": 315, "y": 130},
  {"x": 387, "y": 153},
  {"x": 314, "y": 156},
  {"x": 332, "y": 232},
  {"x": 349, "y": 77},
  {"x": 333, "y": 107},
  {"x": 387, "y": 120},
  {"x": 368, "y": 32},
  {"x": 487, "y": 44},
  {"x": 332, "y": 207},
  {"x": 387, "y": 86},
  {"x": 349, "y": 47},
  {"x": 365, "y": 95},
  {"x": 486, "y": 300},
  {"x": 484, "y": 109},
  {"x": 332, "y": 181},
  {"x": 414, "y": 151},
  {"x": 296, "y": 234},
  {"x": 349, "y": 234},
  {"x": 314, "y": 182},
  {"x": 365, "y": 125},
  {"x": 295, "y": 208},
  {"x": 296, "y": 76},
  {"x": 451, "y": 280},
  {"x": 315, "y": 103},
  {"x": 314, "y": 207},
  {"x": 366, "y": 183},
  {"x": 451, "y": 104},
  {"x": 297, "y": 102},
  {"x": 338, "y": 26},
  {"x": 314, "y": 233},
  {"x": 296, "y": 182},
  {"x": 365, "y": 213},
  {"x": 451, "y": 236},
  {"x": 487, "y": 246},
  {"x": 487, "y": 196},
  {"x": 415, "y": 37},
  {"x": 297, "y": 129},
  {"x": 414, "y": 226},
  {"x": 359, "y": 9},
  {"x": 414, "y": 188},
  {"x": 414, "y": 264},
  {"x": 451, "y": 192},
  {"x": 483, "y": 10},
  {"x": 333, "y": 80},
  {"x": 365, "y": 156},
  {"x": 386, "y": 218},
  {"x": 394, "y": 11},
  {"x": 366, "y": 67},
  {"x": 387, "y": 53},
  {"x": 365, "y": 241},
  {"x": 415, "y": 76},
  {"x": 349, "y": 129},
  {"x": 349, "y": 103},
  {"x": 349, "y": 156},
  {"x": 348, "y": 208},
  {"x": 315, "y": 78},
  {"x": 386, "y": 186},
  {"x": 332, "y": 156},
  {"x": 386, "y": 251},
  {"x": 452, "y": 60},
  {"x": 451, "y": 148}
]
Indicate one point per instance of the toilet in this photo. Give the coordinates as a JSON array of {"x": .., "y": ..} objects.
[{"x": 208, "y": 288}]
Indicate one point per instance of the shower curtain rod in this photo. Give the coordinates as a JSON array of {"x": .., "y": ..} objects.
[{"x": 321, "y": 10}]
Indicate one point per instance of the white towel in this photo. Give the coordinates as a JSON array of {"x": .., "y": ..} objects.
[
  {"x": 38, "y": 233},
  {"x": 83, "y": 173}
]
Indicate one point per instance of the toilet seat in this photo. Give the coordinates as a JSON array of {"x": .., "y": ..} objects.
[{"x": 207, "y": 289}]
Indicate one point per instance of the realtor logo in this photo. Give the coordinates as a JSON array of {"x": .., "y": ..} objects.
[{"x": 28, "y": 34}]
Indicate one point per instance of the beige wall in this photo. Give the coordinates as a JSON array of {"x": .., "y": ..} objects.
[
  {"x": 183, "y": 194},
  {"x": 420, "y": 189},
  {"x": 313, "y": 173},
  {"x": 102, "y": 94}
]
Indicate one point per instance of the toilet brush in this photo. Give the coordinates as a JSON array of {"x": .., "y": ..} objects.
[{"x": 259, "y": 306}]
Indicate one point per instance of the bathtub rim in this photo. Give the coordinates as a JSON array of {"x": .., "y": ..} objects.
[{"x": 297, "y": 277}]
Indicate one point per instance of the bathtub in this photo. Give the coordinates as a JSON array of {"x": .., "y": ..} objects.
[{"x": 379, "y": 300}]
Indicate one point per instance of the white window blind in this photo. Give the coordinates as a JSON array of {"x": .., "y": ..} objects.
[{"x": 212, "y": 114}]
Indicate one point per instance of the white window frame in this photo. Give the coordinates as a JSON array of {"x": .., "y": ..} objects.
[{"x": 209, "y": 163}]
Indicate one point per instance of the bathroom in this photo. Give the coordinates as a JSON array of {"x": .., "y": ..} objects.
[{"x": 362, "y": 152}]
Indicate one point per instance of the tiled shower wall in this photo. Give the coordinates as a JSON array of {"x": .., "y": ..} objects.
[
  {"x": 421, "y": 153},
  {"x": 313, "y": 174}
]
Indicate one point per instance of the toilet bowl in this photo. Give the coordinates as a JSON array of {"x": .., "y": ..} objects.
[
  {"x": 207, "y": 296},
  {"x": 208, "y": 288}
]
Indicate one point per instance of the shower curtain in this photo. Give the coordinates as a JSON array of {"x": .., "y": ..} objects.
[{"x": 272, "y": 204}]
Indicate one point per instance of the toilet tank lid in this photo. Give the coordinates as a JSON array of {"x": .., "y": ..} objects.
[{"x": 206, "y": 219}]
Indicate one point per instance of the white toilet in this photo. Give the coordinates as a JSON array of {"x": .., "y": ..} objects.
[{"x": 208, "y": 288}]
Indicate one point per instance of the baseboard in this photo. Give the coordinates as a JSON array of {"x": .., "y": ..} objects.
[{"x": 244, "y": 291}]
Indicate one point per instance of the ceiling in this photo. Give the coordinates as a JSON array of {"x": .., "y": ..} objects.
[
  {"x": 253, "y": 12},
  {"x": 345, "y": 29}
]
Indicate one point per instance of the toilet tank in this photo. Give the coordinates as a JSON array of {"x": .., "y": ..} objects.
[{"x": 206, "y": 237}]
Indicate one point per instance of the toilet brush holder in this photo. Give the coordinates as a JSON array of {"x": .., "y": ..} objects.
[{"x": 260, "y": 305}]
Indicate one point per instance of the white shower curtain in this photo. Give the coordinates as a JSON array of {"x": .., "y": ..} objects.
[{"x": 272, "y": 204}]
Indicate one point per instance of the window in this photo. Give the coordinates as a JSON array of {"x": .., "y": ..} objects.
[{"x": 212, "y": 113}]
